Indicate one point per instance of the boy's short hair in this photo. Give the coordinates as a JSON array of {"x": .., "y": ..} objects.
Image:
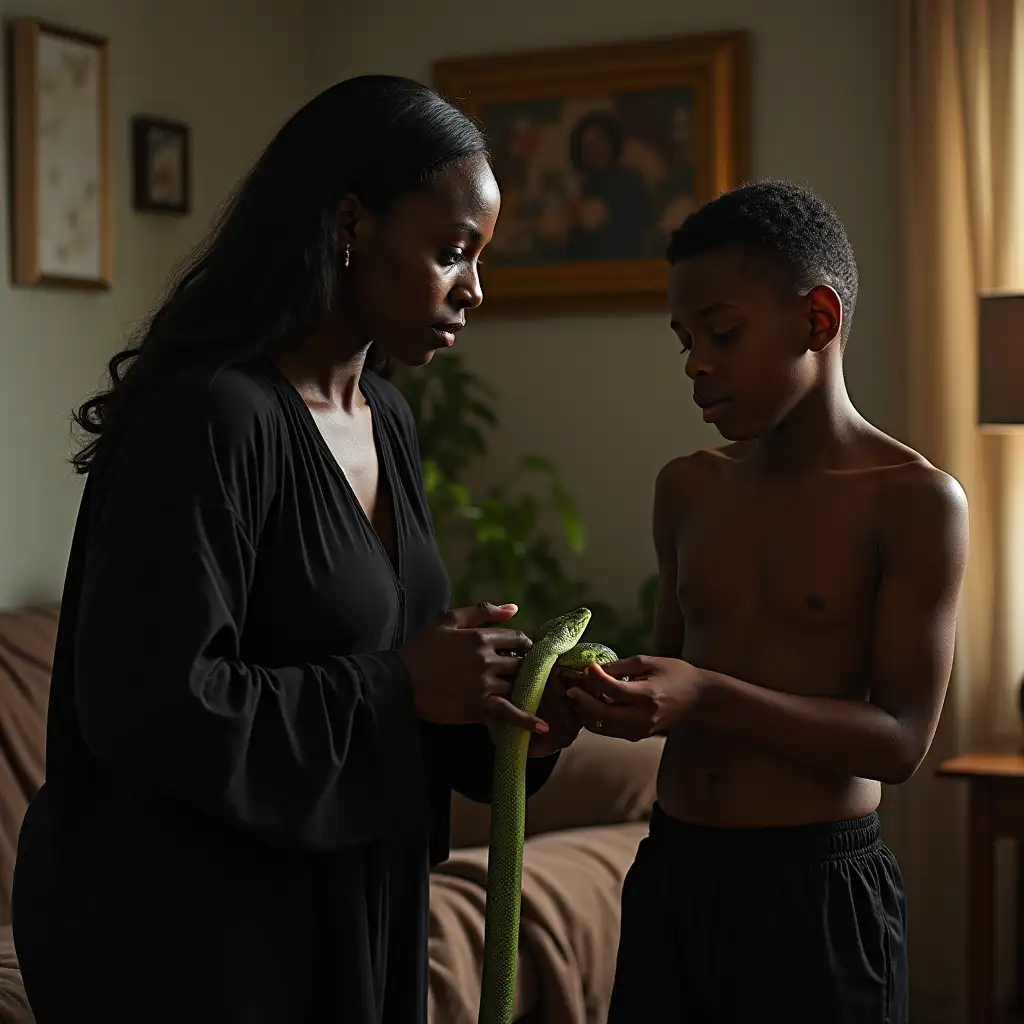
[{"x": 791, "y": 228}]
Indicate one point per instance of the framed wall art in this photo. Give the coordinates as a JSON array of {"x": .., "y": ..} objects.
[
  {"x": 60, "y": 159},
  {"x": 600, "y": 153},
  {"x": 160, "y": 165}
]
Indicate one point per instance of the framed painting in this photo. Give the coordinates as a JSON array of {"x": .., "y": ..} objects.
[
  {"x": 160, "y": 165},
  {"x": 600, "y": 153},
  {"x": 60, "y": 160}
]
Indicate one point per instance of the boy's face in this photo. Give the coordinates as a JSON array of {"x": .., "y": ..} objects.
[{"x": 746, "y": 342}]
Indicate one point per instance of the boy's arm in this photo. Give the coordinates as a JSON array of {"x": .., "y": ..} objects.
[
  {"x": 886, "y": 738},
  {"x": 669, "y": 626}
]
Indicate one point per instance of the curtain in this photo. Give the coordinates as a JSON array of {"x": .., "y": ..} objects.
[{"x": 960, "y": 151}]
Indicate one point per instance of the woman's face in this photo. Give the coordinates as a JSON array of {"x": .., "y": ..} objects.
[{"x": 413, "y": 271}]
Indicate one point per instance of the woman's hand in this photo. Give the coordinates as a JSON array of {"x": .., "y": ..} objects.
[
  {"x": 557, "y": 714},
  {"x": 458, "y": 674},
  {"x": 560, "y": 714},
  {"x": 660, "y": 694}
]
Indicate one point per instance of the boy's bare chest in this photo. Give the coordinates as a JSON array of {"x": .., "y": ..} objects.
[{"x": 803, "y": 557}]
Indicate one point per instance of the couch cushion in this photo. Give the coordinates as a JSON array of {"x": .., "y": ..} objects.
[
  {"x": 14, "y": 1008},
  {"x": 455, "y": 952},
  {"x": 569, "y": 936},
  {"x": 26, "y": 659},
  {"x": 599, "y": 780}
]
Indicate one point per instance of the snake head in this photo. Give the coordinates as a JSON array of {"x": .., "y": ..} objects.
[{"x": 563, "y": 632}]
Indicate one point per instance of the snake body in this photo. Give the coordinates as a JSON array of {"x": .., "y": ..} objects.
[{"x": 557, "y": 641}]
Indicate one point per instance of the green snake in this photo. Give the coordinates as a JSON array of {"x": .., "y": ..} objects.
[{"x": 557, "y": 641}]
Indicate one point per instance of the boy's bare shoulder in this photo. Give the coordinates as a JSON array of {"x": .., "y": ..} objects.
[
  {"x": 683, "y": 476},
  {"x": 683, "y": 483},
  {"x": 913, "y": 492}
]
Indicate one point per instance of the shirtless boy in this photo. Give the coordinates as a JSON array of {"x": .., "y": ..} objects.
[{"x": 810, "y": 575}]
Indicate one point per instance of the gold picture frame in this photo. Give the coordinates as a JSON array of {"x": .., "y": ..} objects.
[
  {"x": 61, "y": 212},
  {"x": 674, "y": 114}
]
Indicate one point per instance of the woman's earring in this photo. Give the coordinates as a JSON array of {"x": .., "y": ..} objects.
[{"x": 348, "y": 253}]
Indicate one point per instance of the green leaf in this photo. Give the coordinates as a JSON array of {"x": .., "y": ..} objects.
[
  {"x": 539, "y": 463},
  {"x": 572, "y": 525},
  {"x": 460, "y": 494},
  {"x": 483, "y": 412},
  {"x": 547, "y": 563},
  {"x": 433, "y": 478},
  {"x": 487, "y": 530}
]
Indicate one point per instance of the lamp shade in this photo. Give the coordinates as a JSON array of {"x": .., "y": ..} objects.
[{"x": 1001, "y": 362}]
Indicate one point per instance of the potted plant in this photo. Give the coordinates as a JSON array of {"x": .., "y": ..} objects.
[{"x": 501, "y": 541}]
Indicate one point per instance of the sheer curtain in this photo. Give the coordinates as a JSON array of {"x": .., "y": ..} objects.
[{"x": 960, "y": 99}]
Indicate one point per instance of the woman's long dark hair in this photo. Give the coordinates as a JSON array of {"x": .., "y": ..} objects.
[{"x": 267, "y": 274}]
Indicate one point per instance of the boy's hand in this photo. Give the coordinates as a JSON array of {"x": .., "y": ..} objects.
[{"x": 660, "y": 694}]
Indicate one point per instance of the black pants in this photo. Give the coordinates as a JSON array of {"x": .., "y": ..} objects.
[{"x": 804, "y": 924}]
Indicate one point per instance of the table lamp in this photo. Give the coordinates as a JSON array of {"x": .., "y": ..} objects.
[
  {"x": 1001, "y": 363},
  {"x": 1001, "y": 374}
]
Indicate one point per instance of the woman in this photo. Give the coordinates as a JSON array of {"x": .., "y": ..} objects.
[
  {"x": 259, "y": 704},
  {"x": 613, "y": 212}
]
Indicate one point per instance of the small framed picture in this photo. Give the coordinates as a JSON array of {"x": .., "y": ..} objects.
[
  {"x": 61, "y": 194},
  {"x": 160, "y": 165}
]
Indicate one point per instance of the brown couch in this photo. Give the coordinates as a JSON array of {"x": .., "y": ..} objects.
[{"x": 584, "y": 828}]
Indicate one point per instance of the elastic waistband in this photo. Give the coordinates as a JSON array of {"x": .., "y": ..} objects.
[{"x": 818, "y": 842}]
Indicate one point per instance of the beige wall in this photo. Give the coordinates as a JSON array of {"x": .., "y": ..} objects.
[
  {"x": 822, "y": 94},
  {"x": 233, "y": 71}
]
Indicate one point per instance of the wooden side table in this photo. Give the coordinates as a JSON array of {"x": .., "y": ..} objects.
[{"x": 996, "y": 784}]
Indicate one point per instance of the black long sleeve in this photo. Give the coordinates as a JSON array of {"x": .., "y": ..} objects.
[{"x": 307, "y": 754}]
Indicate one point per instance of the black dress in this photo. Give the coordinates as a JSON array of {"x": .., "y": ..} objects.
[{"x": 241, "y": 808}]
